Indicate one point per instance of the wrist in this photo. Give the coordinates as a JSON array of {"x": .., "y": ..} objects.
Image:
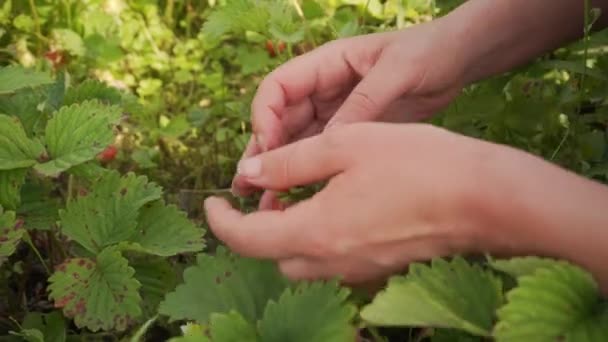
[{"x": 532, "y": 207}]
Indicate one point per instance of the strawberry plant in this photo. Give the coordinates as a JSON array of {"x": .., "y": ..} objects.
[{"x": 111, "y": 135}]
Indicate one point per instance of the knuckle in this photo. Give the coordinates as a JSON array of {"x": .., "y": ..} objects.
[
  {"x": 363, "y": 103},
  {"x": 286, "y": 169}
]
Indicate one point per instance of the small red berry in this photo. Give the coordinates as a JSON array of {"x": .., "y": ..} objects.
[
  {"x": 270, "y": 48},
  {"x": 108, "y": 154}
]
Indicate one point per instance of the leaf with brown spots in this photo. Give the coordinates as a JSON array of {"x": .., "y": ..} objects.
[
  {"x": 11, "y": 232},
  {"x": 100, "y": 294},
  {"x": 105, "y": 217}
]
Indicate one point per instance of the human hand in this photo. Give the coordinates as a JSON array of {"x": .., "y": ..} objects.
[
  {"x": 396, "y": 76},
  {"x": 410, "y": 192}
]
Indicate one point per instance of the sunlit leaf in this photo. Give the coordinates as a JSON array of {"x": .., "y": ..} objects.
[
  {"x": 452, "y": 294},
  {"x": 551, "y": 303}
]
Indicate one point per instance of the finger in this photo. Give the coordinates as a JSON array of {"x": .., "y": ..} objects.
[
  {"x": 348, "y": 271},
  {"x": 300, "y": 163},
  {"x": 240, "y": 186},
  {"x": 373, "y": 95},
  {"x": 262, "y": 234},
  {"x": 271, "y": 201},
  {"x": 323, "y": 73}
]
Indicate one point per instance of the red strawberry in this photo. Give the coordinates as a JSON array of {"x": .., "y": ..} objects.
[{"x": 108, "y": 154}]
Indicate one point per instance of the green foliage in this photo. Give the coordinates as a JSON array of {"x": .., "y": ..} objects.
[
  {"x": 98, "y": 294},
  {"x": 311, "y": 311},
  {"x": 76, "y": 134},
  {"x": 108, "y": 213},
  {"x": 11, "y": 232},
  {"x": 446, "y": 295},
  {"x": 164, "y": 230},
  {"x": 317, "y": 311},
  {"x": 10, "y": 187},
  {"x": 560, "y": 301},
  {"x": 222, "y": 283},
  {"x": 15, "y": 78},
  {"x": 51, "y": 325},
  {"x": 16, "y": 149},
  {"x": 92, "y": 89},
  {"x": 168, "y": 85}
]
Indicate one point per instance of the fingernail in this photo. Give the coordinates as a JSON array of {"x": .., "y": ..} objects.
[
  {"x": 259, "y": 138},
  {"x": 251, "y": 167}
]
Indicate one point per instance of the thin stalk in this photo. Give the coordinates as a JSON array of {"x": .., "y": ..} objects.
[
  {"x": 68, "y": 12},
  {"x": 29, "y": 241},
  {"x": 70, "y": 188},
  {"x": 169, "y": 12},
  {"x": 561, "y": 143},
  {"x": 36, "y": 21},
  {"x": 585, "y": 48}
]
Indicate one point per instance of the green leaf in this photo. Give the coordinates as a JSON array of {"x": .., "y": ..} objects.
[
  {"x": 312, "y": 9},
  {"x": 39, "y": 209},
  {"x": 311, "y": 312},
  {"x": 92, "y": 89},
  {"x": 14, "y": 78},
  {"x": 521, "y": 266},
  {"x": 16, "y": 149},
  {"x": 236, "y": 16},
  {"x": 11, "y": 233},
  {"x": 445, "y": 295},
  {"x": 574, "y": 67},
  {"x": 157, "y": 277},
  {"x": 192, "y": 333},
  {"x": 221, "y": 283},
  {"x": 10, "y": 187},
  {"x": 550, "y": 303},
  {"x": 91, "y": 170},
  {"x": 108, "y": 214},
  {"x": 25, "y": 105},
  {"x": 165, "y": 230},
  {"x": 30, "y": 335},
  {"x": 232, "y": 327},
  {"x": 252, "y": 61},
  {"x": 52, "y": 325},
  {"x": 76, "y": 134},
  {"x": 69, "y": 41},
  {"x": 97, "y": 294}
]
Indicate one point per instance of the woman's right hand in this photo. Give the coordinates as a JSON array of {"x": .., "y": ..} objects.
[{"x": 397, "y": 76}]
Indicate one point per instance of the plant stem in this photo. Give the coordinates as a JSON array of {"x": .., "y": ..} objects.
[
  {"x": 169, "y": 12},
  {"x": 585, "y": 49},
  {"x": 68, "y": 12},
  {"x": 29, "y": 241},
  {"x": 561, "y": 143},
  {"x": 70, "y": 188},
  {"x": 36, "y": 22}
]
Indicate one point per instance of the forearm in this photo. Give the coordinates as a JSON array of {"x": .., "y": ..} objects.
[
  {"x": 498, "y": 35},
  {"x": 541, "y": 209}
]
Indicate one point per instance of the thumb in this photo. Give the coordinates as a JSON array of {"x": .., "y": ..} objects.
[
  {"x": 372, "y": 96},
  {"x": 302, "y": 162}
]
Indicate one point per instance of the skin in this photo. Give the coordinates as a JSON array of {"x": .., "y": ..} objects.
[{"x": 405, "y": 192}]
